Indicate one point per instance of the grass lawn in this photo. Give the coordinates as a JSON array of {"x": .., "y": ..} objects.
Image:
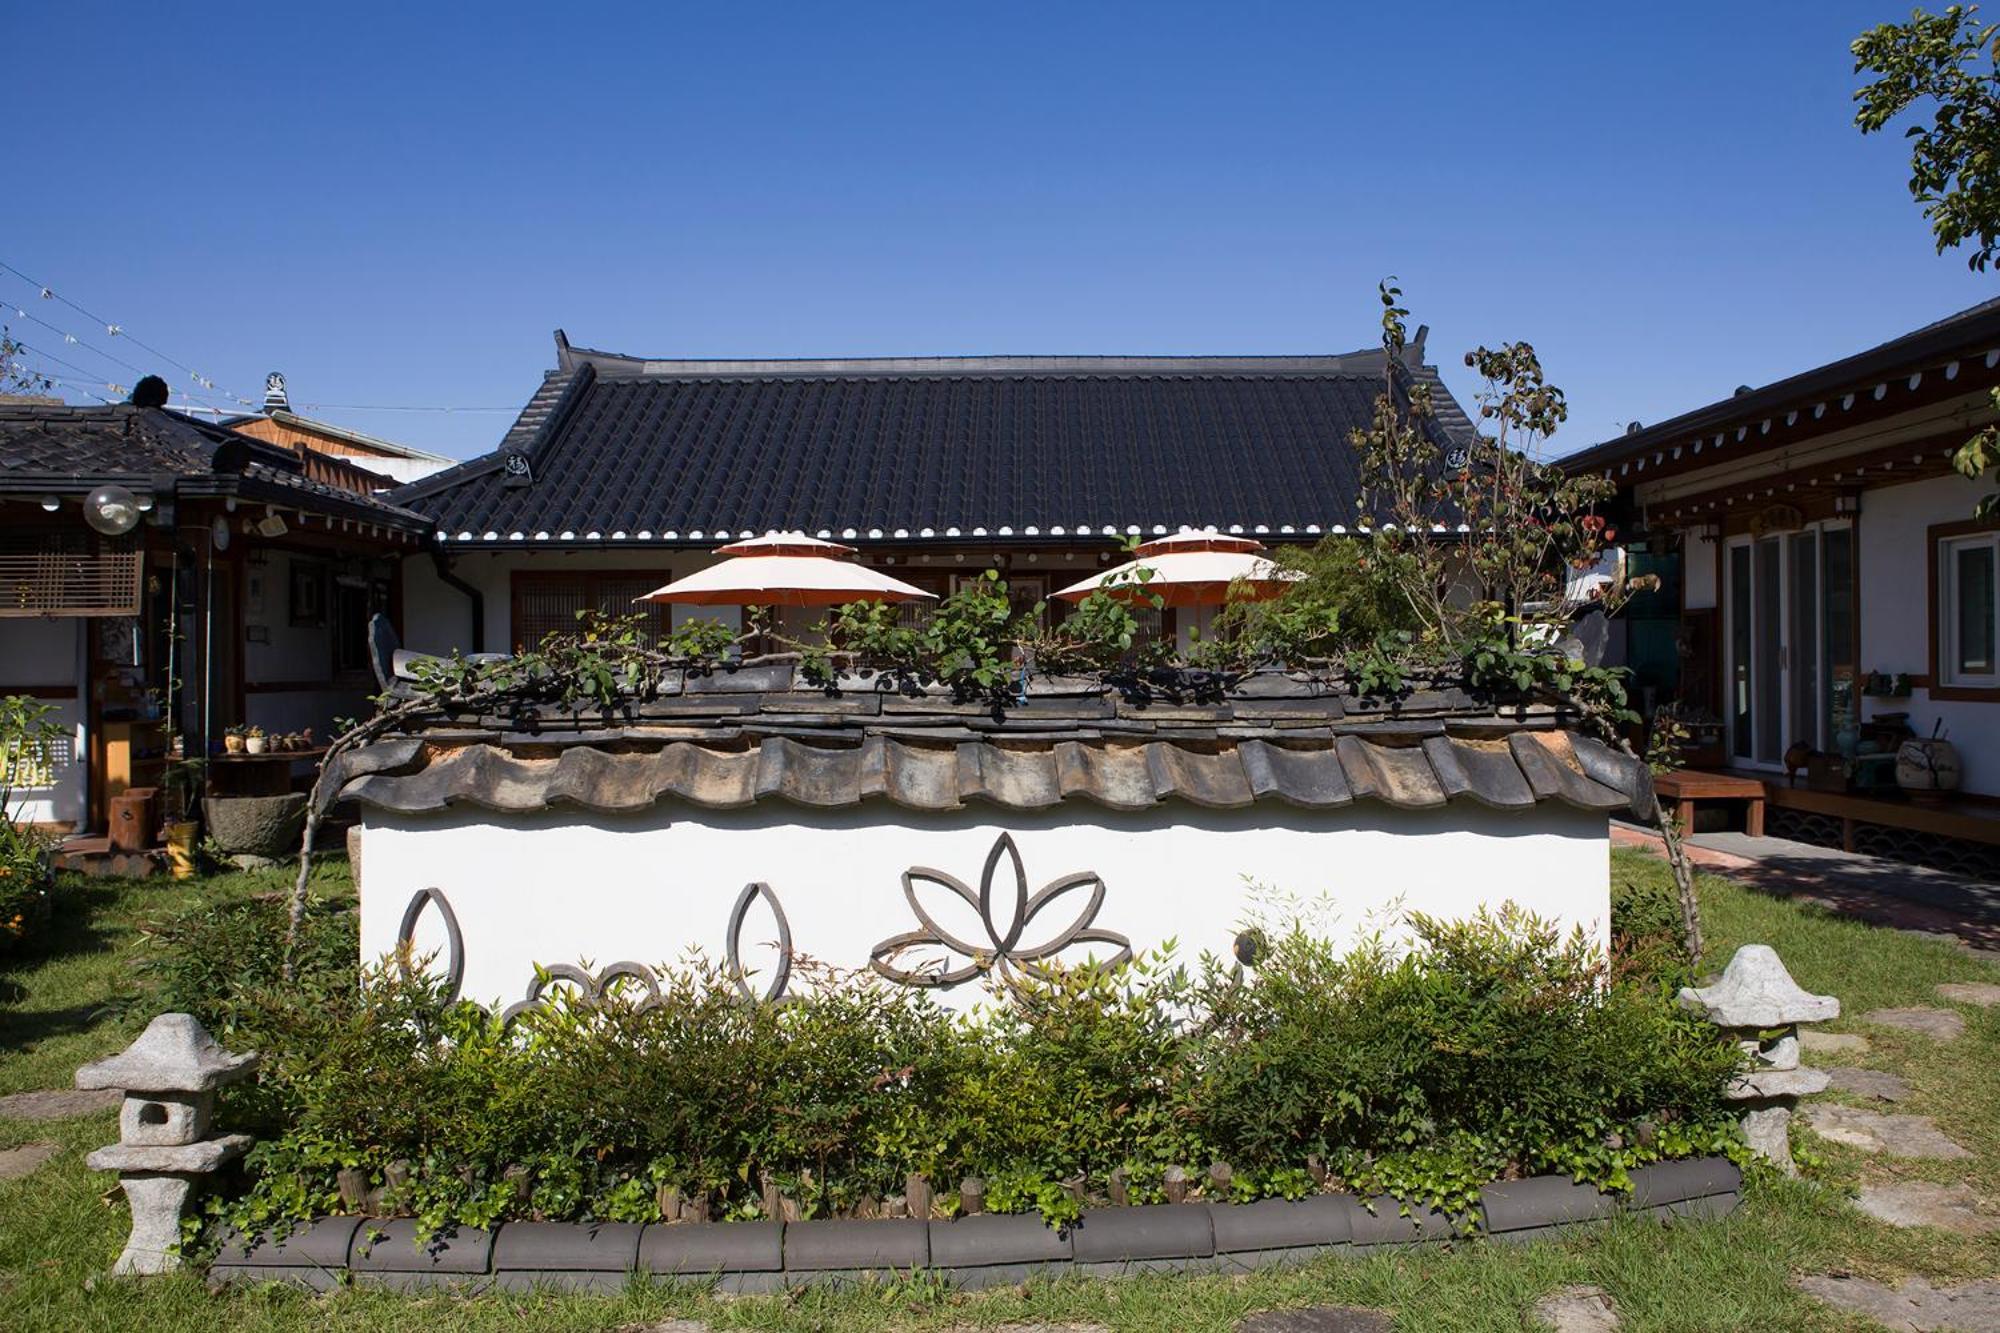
[{"x": 61, "y": 1228}]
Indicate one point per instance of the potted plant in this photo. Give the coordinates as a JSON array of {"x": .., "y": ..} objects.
[
  {"x": 181, "y": 831},
  {"x": 233, "y": 740},
  {"x": 1927, "y": 768},
  {"x": 254, "y": 740}
]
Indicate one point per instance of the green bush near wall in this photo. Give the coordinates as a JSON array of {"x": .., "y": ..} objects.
[{"x": 1498, "y": 1047}]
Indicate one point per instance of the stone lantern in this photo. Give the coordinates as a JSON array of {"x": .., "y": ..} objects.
[
  {"x": 169, "y": 1077},
  {"x": 1758, "y": 1001}
]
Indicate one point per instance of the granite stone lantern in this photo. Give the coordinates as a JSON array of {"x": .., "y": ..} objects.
[
  {"x": 169, "y": 1077},
  {"x": 1758, "y": 1001}
]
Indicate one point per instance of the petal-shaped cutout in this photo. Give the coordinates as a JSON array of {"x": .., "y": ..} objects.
[
  {"x": 1006, "y": 933},
  {"x": 921, "y": 959},
  {"x": 966, "y": 942},
  {"x": 633, "y": 981},
  {"x": 561, "y": 974},
  {"x": 454, "y": 973},
  {"x": 1086, "y": 884},
  {"x": 780, "y": 932}
]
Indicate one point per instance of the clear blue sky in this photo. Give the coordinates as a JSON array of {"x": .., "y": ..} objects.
[{"x": 397, "y": 205}]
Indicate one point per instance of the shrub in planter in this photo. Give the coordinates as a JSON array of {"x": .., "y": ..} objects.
[{"x": 1496, "y": 1048}]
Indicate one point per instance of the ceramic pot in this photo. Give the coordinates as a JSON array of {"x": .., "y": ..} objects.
[
  {"x": 254, "y": 744},
  {"x": 233, "y": 744},
  {"x": 1927, "y": 769}
]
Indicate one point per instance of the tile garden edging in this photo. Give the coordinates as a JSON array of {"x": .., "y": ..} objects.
[{"x": 977, "y": 1251}]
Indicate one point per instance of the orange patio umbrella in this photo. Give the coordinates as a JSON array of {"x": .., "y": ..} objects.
[
  {"x": 785, "y": 569},
  {"x": 1193, "y": 569}
]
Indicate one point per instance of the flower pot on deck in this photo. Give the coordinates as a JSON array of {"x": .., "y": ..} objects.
[{"x": 1927, "y": 770}]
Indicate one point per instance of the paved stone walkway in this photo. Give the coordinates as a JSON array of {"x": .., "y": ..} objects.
[
  {"x": 1832, "y": 1043},
  {"x": 1941, "y": 1024},
  {"x": 1579, "y": 1310},
  {"x": 1919, "y": 1203},
  {"x": 16, "y": 1163},
  {"x": 1317, "y": 1319},
  {"x": 1868, "y": 1083},
  {"x": 1872, "y": 888},
  {"x": 1970, "y": 1307},
  {"x": 57, "y": 1103},
  {"x": 1984, "y": 994},
  {"x": 1870, "y": 1131}
]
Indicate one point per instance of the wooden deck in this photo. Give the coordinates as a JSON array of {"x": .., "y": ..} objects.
[{"x": 1966, "y": 818}]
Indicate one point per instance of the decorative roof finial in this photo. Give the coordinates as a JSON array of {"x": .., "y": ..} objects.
[{"x": 274, "y": 393}]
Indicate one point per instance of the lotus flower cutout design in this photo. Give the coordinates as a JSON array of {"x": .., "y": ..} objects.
[{"x": 1008, "y": 914}]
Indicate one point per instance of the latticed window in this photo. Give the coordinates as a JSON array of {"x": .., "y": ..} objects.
[
  {"x": 548, "y": 603},
  {"x": 68, "y": 574}
]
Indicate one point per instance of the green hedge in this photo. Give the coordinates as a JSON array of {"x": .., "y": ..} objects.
[{"x": 1495, "y": 1048}]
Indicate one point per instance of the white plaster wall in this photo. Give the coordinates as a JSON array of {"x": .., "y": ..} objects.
[
  {"x": 1895, "y": 615},
  {"x": 437, "y": 617},
  {"x": 48, "y": 651},
  {"x": 288, "y": 652},
  {"x": 560, "y": 887}
]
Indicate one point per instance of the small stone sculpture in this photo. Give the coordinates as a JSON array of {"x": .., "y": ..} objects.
[
  {"x": 169, "y": 1077},
  {"x": 1758, "y": 1000}
]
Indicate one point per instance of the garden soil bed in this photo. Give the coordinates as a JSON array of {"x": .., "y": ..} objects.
[{"x": 979, "y": 1251}]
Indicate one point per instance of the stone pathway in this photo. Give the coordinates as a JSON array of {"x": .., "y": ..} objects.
[
  {"x": 1317, "y": 1319},
  {"x": 1982, "y": 993},
  {"x": 1868, "y": 1083},
  {"x": 1578, "y": 1310},
  {"x": 1919, "y": 1203},
  {"x": 16, "y": 1163},
  {"x": 1896, "y": 1135},
  {"x": 1942, "y": 1024},
  {"x": 57, "y": 1103},
  {"x": 1832, "y": 1043},
  {"x": 1970, "y": 1307}
]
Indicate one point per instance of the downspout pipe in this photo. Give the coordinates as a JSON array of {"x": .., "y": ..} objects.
[{"x": 473, "y": 596}]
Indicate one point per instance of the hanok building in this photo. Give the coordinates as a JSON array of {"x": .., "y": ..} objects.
[
  {"x": 623, "y": 473},
  {"x": 305, "y": 436},
  {"x": 163, "y": 579},
  {"x": 1830, "y": 594}
]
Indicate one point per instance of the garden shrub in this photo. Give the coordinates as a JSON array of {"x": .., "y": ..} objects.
[
  {"x": 29, "y": 736},
  {"x": 1497, "y": 1047},
  {"x": 1647, "y": 938}
]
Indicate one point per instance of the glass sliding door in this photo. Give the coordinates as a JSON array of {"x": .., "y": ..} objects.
[
  {"x": 1791, "y": 643},
  {"x": 1742, "y": 699}
]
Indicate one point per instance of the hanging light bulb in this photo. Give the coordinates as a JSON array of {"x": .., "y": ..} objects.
[
  {"x": 111, "y": 510},
  {"x": 51, "y": 503}
]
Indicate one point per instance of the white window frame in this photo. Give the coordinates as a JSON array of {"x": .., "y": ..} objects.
[{"x": 1948, "y": 549}]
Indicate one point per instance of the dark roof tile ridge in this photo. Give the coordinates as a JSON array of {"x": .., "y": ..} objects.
[{"x": 613, "y": 365}]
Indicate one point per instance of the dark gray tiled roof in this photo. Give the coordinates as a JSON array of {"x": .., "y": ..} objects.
[
  {"x": 719, "y": 748},
  {"x": 618, "y": 444},
  {"x": 66, "y": 448}
]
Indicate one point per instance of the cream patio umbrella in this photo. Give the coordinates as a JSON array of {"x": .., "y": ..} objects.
[
  {"x": 785, "y": 569},
  {"x": 1193, "y": 569}
]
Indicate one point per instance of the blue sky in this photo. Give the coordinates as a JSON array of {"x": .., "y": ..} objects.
[{"x": 397, "y": 205}]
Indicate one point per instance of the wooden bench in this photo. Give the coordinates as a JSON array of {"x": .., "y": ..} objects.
[{"x": 1688, "y": 788}]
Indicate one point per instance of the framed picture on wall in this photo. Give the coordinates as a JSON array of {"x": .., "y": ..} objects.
[{"x": 308, "y": 593}]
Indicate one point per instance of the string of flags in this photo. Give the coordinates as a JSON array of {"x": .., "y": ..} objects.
[{"x": 113, "y": 329}]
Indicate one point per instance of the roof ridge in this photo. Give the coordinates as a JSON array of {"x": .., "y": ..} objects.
[{"x": 622, "y": 365}]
